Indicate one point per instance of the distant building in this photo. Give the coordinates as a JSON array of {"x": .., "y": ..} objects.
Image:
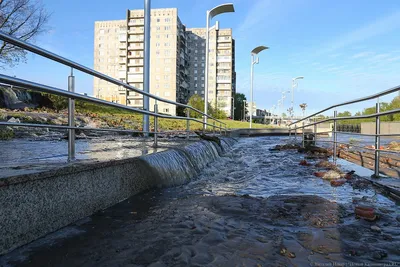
[{"x": 222, "y": 75}]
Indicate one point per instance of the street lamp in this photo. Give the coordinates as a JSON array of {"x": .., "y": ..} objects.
[
  {"x": 254, "y": 60},
  {"x": 224, "y": 8},
  {"x": 294, "y": 84}
]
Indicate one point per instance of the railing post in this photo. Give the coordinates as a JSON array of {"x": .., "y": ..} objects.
[
  {"x": 290, "y": 131},
  {"x": 315, "y": 131},
  {"x": 214, "y": 128},
  {"x": 204, "y": 124},
  {"x": 155, "y": 124},
  {"x": 334, "y": 136},
  {"x": 187, "y": 123},
  {"x": 377, "y": 139},
  {"x": 220, "y": 128},
  {"x": 302, "y": 132},
  {"x": 295, "y": 132},
  {"x": 71, "y": 118}
]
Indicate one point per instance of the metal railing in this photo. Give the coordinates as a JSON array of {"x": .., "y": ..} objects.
[
  {"x": 335, "y": 119},
  {"x": 72, "y": 96}
]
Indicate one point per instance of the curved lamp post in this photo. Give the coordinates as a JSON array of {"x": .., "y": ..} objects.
[
  {"x": 254, "y": 60},
  {"x": 224, "y": 8},
  {"x": 294, "y": 85}
]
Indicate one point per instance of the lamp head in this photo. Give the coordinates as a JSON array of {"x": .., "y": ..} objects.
[
  {"x": 258, "y": 49},
  {"x": 224, "y": 8}
]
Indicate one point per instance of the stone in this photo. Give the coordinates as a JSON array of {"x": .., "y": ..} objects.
[
  {"x": 379, "y": 254},
  {"x": 375, "y": 228},
  {"x": 14, "y": 120},
  {"x": 331, "y": 175}
]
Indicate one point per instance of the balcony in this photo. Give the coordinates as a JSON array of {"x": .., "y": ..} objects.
[
  {"x": 136, "y": 47},
  {"x": 136, "y": 39},
  {"x": 134, "y": 55},
  {"x": 136, "y": 22},
  {"x": 136, "y": 64},
  {"x": 122, "y": 46},
  {"x": 136, "y": 31}
]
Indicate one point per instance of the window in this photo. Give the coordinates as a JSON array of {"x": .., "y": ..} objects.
[
  {"x": 196, "y": 37},
  {"x": 202, "y": 58},
  {"x": 157, "y": 93},
  {"x": 158, "y": 36},
  {"x": 202, "y": 64},
  {"x": 167, "y": 94},
  {"x": 102, "y": 31},
  {"x": 167, "y": 28},
  {"x": 167, "y": 52},
  {"x": 157, "y": 77},
  {"x": 99, "y": 45},
  {"x": 195, "y": 92},
  {"x": 195, "y": 85},
  {"x": 157, "y": 44},
  {"x": 166, "y": 110},
  {"x": 167, "y": 36},
  {"x": 158, "y": 28},
  {"x": 202, "y": 78},
  {"x": 202, "y": 44},
  {"x": 167, "y": 69},
  {"x": 202, "y": 85},
  {"x": 158, "y": 20},
  {"x": 167, "y": 20},
  {"x": 195, "y": 51},
  {"x": 195, "y": 78},
  {"x": 166, "y": 77},
  {"x": 167, "y": 44},
  {"x": 195, "y": 71},
  {"x": 166, "y": 85},
  {"x": 195, "y": 58},
  {"x": 195, "y": 64}
]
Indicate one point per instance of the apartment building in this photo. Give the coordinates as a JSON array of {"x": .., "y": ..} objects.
[
  {"x": 119, "y": 52},
  {"x": 222, "y": 75},
  {"x": 177, "y": 60}
]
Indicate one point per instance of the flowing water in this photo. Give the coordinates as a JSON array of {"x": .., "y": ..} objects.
[{"x": 241, "y": 205}]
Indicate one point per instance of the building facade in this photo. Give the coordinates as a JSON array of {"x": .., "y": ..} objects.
[
  {"x": 222, "y": 75},
  {"x": 177, "y": 61}
]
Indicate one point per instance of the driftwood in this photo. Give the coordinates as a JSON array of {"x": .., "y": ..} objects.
[{"x": 209, "y": 138}]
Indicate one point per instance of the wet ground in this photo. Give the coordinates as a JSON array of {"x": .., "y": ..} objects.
[{"x": 252, "y": 207}]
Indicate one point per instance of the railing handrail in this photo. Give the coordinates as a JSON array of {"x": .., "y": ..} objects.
[
  {"x": 386, "y": 92},
  {"x": 24, "y": 84},
  {"x": 50, "y": 55}
]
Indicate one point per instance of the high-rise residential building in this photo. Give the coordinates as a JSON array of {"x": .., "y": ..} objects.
[
  {"x": 119, "y": 52},
  {"x": 176, "y": 61},
  {"x": 222, "y": 75}
]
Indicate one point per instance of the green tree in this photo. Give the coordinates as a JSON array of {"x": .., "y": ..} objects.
[
  {"x": 239, "y": 106},
  {"x": 344, "y": 114},
  {"x": 198, "y": 103}
]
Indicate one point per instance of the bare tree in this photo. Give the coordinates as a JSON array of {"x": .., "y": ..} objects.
[{"x": 23, "y": 19}]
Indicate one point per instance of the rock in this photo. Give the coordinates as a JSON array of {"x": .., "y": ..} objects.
[
  {"x": 379, "y": 254},
  {"x": 331, "y": 175},
  {"x": 398, "y": 218},
  {"x": 366, "y": 213},
  {"x": 338, "y": 182},
  {"x": 375, "y": 228},
  {"x": 304, "y": 163},
  {"x": 14, "y": 120},
  {"x": 349, "y": 175},
  {"x": 319, "y": 174}
]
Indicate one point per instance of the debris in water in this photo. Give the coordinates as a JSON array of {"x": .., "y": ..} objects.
[
  {"x": 331, "y": 175},
  {"x": 375, "y": 228},
  {"x": 319, "y": 174}
]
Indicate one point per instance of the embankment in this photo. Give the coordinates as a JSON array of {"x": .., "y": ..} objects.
[{"x": 34, "y": 205}]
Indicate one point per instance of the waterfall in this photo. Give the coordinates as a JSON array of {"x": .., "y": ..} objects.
[{"x": 179, "y": 165}]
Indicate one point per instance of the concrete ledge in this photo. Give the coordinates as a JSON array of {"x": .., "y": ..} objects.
[
  {"x": 37, "y": 204},
  {"x": 263, "y": 132}
]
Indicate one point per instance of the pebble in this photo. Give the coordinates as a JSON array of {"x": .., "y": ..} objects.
[{"x": 375, "y": 228}]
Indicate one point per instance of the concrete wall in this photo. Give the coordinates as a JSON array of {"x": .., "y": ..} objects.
[
  {"x": 36, "y": 204},
  {"x": 386, "y": 127}
]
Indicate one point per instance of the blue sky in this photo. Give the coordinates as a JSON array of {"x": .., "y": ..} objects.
[{"x": 344, "y": 49}]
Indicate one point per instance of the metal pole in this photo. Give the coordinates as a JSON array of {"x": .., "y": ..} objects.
[
  {"x": 206, "y": 70},
  {"x": 155, "y": 124},
  {"x": 71, "y": 118},
  {"x": 302, "y": 133},
  {"x": 204, "y": 125},
  {"x": 334, "y": 136},
  {"x": 290, "y": 131},
  {"x": 187, "y": 123},
  {"x": 295, "y": 132},
  {"x": 214, "y": 128},
  {"x": 315, "y": 131},
  {"x": 146, "y": 67},
  {"x": 292, "y": 111},
  {"x": 251, "y": 88},
  {"x": 377, "y": 139}
]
